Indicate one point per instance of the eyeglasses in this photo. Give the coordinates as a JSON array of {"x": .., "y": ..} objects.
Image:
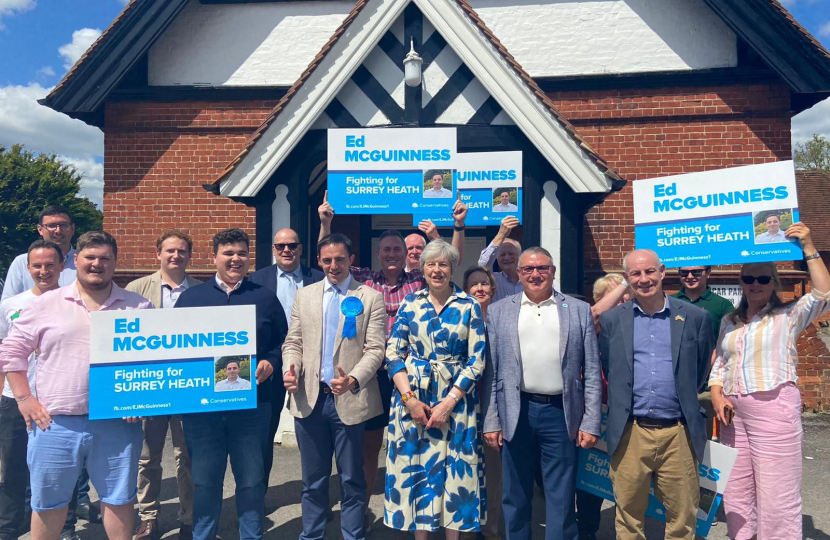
[
  {"x": 528, "y": 270},
  {"x": 291, "y": 246},
  {"x": 749, "y": 280},
  {"x": 55, "y": 226},
  {"x": 696, "y": 272}
]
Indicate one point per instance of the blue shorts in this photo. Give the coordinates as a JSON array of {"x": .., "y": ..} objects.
[{"x": 109, "y": 449}]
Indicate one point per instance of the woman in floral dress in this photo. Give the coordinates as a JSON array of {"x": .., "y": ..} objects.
[{"x": 435, "y": 355}]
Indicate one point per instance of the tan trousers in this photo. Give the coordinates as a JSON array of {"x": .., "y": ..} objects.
[
  {"x": 149, "y": 468},
  {"x": 665, "y": 455}
]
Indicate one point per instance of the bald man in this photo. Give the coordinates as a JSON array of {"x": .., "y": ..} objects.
[
  {"x": 285, "y": 278},
  {"x": 415, "y": 244}
]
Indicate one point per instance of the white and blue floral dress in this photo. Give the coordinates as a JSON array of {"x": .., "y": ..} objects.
[{"x": 435, "y": 478}]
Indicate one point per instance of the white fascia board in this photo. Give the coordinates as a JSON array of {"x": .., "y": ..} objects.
[
  {"x": 500, "y": 79},
  {"x": 303, "y": 109}
]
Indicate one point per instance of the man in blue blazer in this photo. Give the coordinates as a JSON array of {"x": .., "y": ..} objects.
[
  {"x": 541, "y": 395},
  {"x": 656, "y": 352},
  {"x": 285, "y": 278}
]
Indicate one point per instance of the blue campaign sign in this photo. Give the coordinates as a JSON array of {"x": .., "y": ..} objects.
[
  {"x": 391, "y": 171},
  {"x": 727, "y": 216},
  {"x": 165, "y": 361},
  {"x": 594, "y": 465},
  {"x": 480, "y": 204}
]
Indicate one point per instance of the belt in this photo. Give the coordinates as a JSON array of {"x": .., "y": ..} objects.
[
  {"x": 657, "y": 423},
  {"x": 324, "y": 388},
  {"x": 542, "y": 398}
]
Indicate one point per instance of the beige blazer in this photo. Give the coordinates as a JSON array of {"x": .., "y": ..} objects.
[
  {"x": 150, "y": 287},
  {"x": 359, "y": 357}
]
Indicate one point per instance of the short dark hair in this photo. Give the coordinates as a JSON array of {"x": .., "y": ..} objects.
[
  {"x": 174, "y": 233},
  {"x": 44, "y": 244},
  {"x": 229, "y": 362},
  {"x": 393, "y": 233},
  {"x": 335, "y": 238},
  {"x": 97, "y": 238},
  {"x": 230, "y": 236},
  {"x": 55, "y": 210}
]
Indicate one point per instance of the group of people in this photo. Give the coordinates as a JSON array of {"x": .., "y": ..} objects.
[{"x": 482, "y": 390}]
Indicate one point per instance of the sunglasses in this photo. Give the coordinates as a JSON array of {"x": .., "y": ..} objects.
[
  {"x": 291, "y": 246},
  {"x": 749, "y": 280},
  {"x": 697, "y": 272}
]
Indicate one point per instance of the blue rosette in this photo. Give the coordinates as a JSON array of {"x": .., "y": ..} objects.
[{"x": 351, "y": 307}]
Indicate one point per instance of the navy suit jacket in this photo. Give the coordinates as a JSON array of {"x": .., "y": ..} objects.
[
  {"x": 267, "y": 277},
  {"x": 692, "y": 343}
]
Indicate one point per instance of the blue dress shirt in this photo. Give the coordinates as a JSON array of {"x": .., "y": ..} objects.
[{"x": 655, "y": 394}]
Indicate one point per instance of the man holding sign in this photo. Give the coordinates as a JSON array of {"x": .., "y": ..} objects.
[
  {"x": 62, "y": 439},
  {"x": 241, "y": 434},
  {"x": 332, "y": 353}
]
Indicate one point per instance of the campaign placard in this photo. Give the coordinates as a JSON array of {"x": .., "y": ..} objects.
[
  {"x": 727, "y": 216},
  {"x": 154, "y": 362},
  {"x": 594, "y": 465},
  {"x": 490, "y": 184},
  {"x": 391, "y": 171}
]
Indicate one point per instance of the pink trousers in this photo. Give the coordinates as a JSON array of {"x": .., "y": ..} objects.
[{"x": 763, "y": 496}]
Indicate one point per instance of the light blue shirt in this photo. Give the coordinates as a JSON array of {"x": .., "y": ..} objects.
[
  {"x": 328, "y": 338},
  {"x": 442, "y": 193},
  {"x": 654, "y": 392},
  {"x": 767, "y": 238},
  {"x": 288, "y": 283},
  {"x": 18, "y": 278}
]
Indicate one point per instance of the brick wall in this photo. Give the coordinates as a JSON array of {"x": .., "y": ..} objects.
[{"x": 157, "y": 156}]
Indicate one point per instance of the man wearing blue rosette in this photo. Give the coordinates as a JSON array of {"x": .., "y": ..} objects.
[{"x": 335, "y": 344}]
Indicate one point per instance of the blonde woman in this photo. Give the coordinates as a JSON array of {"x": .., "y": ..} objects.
[{"x": 754, "y": 379}]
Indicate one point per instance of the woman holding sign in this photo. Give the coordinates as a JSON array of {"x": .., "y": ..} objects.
[
  {"x": 755, "y": 396},
  {"x": 435, "y": 355}
]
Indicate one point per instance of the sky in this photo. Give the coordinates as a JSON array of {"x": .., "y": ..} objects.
[{"x": 40, "y": 40}]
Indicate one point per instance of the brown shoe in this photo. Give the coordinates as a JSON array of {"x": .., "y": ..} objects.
[{"x": 148, "y": 530}]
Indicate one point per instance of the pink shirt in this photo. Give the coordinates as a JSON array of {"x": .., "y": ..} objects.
[
  {"x": 56, "y": 324},
  {"x": 761, "y": 355}
]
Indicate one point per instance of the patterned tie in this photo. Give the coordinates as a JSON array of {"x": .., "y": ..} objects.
[{"x": 332, "y": 318}]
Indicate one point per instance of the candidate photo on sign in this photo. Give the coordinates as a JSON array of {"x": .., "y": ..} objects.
[
  {"x": 438, "y": 184},
  {"x": 504, "y": 200},
  {"x": 233, "y": 373},
  {"x": 771, "y": 224}
]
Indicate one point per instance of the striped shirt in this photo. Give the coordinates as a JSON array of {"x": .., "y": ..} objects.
[{"x": 761, "y": 355}]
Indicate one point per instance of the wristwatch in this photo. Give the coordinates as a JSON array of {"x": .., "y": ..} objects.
[{"x": 815, "y": 255}]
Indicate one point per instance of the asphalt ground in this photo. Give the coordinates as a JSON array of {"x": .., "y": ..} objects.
[{"x": 282, "y": 503}]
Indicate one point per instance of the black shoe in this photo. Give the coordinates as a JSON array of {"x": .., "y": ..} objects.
[
  {"x": 587, "y": 536},
  {"x": 186, "y": 532},
  {"x": 88, "y": 512},
  {"x": 69, "y": 535}
]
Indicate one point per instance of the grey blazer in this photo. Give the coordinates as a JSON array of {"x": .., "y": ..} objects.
[
  {"x": 578, "y": 354},
  {"x": 150, "y": 286},
  {"x": 692, "y": 343}
]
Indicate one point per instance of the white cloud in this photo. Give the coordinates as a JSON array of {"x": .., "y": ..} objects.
[
  {"x": 13, "y": 7},
  {"x": 824, "y": 30},
  {"x": 92, "y": 183},
  {"x": 46, "y": 71},
  {"x": 40, "y": 129},
  {"x": 813, "y": 120},
  {"x": 81, "y": 40}
]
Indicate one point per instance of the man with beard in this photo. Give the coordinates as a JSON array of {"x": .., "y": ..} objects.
[{"x": 62, "y": 439}]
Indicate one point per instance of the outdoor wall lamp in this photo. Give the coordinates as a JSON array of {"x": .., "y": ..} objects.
[{"x": 412, "y": 66}]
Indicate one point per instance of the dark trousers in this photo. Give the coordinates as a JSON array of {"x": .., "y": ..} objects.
[
  {"x": 277, "y": 405},
  {"x": 211, "y": 439},
  {"x": 541, "y": 432},
  {"x": 588, "y": 512},
  {"x": 320, "y": 435}
]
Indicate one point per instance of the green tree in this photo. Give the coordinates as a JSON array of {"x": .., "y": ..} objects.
[
  {"x": 28, "y": 184},
  {"x": 814, "y": 154}
]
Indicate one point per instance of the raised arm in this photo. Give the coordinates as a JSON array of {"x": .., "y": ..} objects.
[
  {"x": 326, "y": 213},
  {"x": 818, "y": 271},
  {"x": 459, "y": 215},
  {"x": 488, "y": 254}
]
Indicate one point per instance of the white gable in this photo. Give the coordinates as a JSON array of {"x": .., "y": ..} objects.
[{"x": 270, "y": 44}]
